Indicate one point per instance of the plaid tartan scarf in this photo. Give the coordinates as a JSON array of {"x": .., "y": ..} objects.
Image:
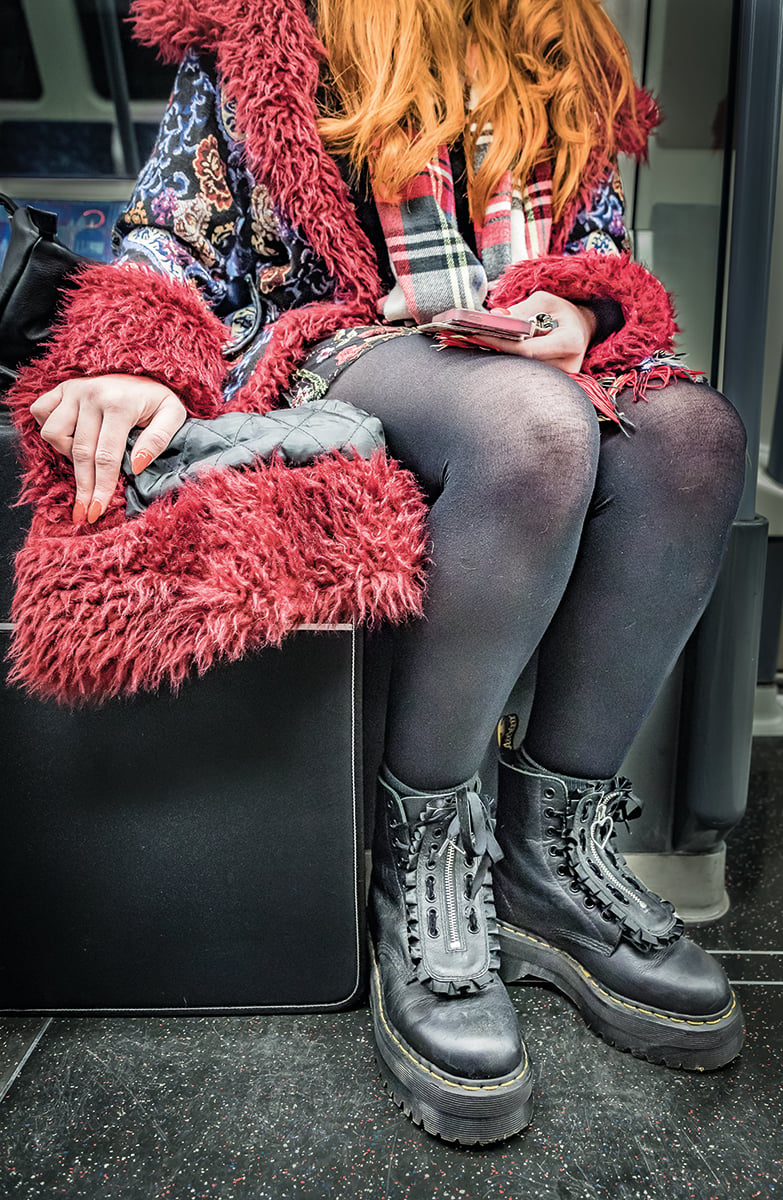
[{"x": 433, "y": 265}]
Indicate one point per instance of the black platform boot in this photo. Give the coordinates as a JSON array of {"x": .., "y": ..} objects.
[
  {"x": 446, "y": 1032},
  {"x": 571, "y": 912}
]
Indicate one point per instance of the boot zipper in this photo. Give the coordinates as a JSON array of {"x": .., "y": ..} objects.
[
  {"x": 600, "y": 819},
  {"x": 450, "y": 891}
]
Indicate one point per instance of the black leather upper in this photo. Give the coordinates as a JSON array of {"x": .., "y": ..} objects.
[
  {"x": 469, "y": 1027},
  {"x": 538, "y": 889}
]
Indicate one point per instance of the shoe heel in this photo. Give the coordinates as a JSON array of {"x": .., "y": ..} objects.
[
  {"x": 523, "y": 959},
  {"x": 514, "y": 968}
]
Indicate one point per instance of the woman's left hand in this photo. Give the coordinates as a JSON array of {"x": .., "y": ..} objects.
[{"x": 565, "y": 347}]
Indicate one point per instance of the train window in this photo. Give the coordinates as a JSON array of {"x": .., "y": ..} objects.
[
  {"x": 148, "y": 79},
  {"x": 19, "y": 78}
]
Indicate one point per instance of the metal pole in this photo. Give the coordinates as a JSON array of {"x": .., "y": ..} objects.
[
  {"x": 760, "y": 90},
  {"x": 717, "y": 718},
  {"x": 775, "y": 464},
  {"x": 118, "y": 84}
]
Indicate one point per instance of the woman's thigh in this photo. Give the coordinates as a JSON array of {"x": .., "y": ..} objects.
[{"x": 445, "y": 411}]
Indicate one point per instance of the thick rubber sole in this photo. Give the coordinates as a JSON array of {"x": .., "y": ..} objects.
[
  {"x": 671, "y": 1039},
  {"x": 470, "y": 1112}
]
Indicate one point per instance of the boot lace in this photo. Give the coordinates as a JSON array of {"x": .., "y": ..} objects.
[
  {"x": 599, "y": 871},
  {"x": 451, "y": 847}
]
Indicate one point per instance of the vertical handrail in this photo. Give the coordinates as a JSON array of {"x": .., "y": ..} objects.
[
  {"x": 775, "y": 463},
  {"x": 118, "y": 84},
  {"x": 757, "y": 136}
]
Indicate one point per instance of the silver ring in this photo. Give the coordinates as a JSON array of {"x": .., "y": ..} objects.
[{"x": 542, "y": 322}]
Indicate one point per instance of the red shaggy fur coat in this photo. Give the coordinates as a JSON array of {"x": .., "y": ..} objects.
[{"x": 239, "y": 559}]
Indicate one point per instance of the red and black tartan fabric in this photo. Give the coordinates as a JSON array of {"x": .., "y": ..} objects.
[{"x": 434, "y": 267}]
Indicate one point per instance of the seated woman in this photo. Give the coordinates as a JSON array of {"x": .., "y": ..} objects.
[{"x": 580, "y": 484}]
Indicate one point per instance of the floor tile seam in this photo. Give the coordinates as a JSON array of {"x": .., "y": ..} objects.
[
  {"x": 756, "y": 982},
  {"x": 771, "y": 953},
  {"x": 32, "y": 1046}
]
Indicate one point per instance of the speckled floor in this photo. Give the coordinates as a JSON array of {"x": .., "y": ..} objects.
[{"x": 277, "y": 1107}]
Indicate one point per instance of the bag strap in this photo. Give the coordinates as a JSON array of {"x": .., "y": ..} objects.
[{"x": 8, "y": 204}]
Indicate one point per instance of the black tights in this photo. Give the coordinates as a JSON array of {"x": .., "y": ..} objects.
[{"x": 550, "y": 532}]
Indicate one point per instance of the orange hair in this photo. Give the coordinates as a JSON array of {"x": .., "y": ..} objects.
[{"x": 552, "y": 77}]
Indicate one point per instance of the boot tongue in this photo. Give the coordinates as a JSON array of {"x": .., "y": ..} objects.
[
  {"x": 470, "y": 828},
  {"x": 416, "y": 805}
]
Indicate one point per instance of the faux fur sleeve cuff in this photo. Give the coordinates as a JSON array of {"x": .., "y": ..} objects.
[
  {"x": 130, "y": 320},
  {"x": 648, "y": 313}
]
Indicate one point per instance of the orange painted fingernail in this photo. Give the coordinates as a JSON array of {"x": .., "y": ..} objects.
[
  {"x": 140, "y": 460},
  {"x": 94, "y": 511},
  {"x": 79, "y": 513}
]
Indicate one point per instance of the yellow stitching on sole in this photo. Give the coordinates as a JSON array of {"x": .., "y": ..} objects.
[
  {"x": 465, "y": 1087},
  {"x": 647, "y": 1012}
]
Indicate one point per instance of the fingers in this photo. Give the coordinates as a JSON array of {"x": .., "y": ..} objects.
[
  {"x": 161, "y": 417},
  {"x": 558, "y": 348},
  {"x": 58, "y": 425},
  {"x": 42, "y": 408},
  {"x": 158, "y": 431},
  {"x": 107, "y": 460},
  {"x": 564, "y": 347},
  {"x": 88, "y": 421},
  {"x": 85, "y": 441}
]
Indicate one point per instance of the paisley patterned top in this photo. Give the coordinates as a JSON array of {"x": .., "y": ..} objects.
[{"x": 601, "y": 227}]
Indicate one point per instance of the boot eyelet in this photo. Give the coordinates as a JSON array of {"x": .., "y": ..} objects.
[
  {"x": 549, "y": 793},
  {"x": 574, "y": 887},
  {"x": 608, "y": 917},
  {"x": 549, "y": 812},
  {"x": 432, "y": 922},
  {"x": 562, "y": 870},
  {"x": 589, "y": 902},
  {"x": 550, "y": 832},
  {"x": 553, "y": 851}
]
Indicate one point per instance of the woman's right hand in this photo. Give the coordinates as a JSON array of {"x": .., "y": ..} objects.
[{"x": 88, "y": 421}]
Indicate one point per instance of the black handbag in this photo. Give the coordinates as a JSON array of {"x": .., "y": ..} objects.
[
  {"x": 36, "y": 269},
  {"x": 296, "y": 435}
]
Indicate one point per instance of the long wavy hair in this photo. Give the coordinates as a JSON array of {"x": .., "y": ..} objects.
[{"x": 552, "y": 77}]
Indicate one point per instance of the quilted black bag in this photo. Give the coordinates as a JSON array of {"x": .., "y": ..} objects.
[
  {"x": 36, "y": 268},
  {"x": 296, "y": 435}
]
